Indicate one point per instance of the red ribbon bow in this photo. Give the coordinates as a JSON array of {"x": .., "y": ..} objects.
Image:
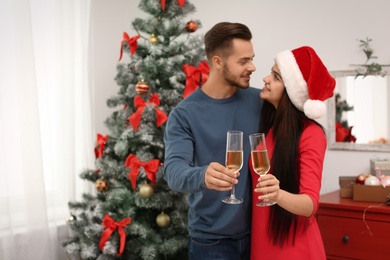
[
  {"x": 111, "y": 226},
  {"x": 132, "y": 43},
  {"x": 135, "y": 164},
  {"x": 162, "y": 5},
  {"x": 194, "y": 75},
  {"x": 180, "y": 2},
  {"x": 101, "y": 142},
  {"x": 135, "y": 119},
  {"x": 344, "y": 134}
]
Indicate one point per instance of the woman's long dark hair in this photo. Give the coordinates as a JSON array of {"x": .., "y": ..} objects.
[{"x": 287, "y": 124}]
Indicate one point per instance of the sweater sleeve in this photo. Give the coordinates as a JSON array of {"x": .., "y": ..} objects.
[
  {"x": 312, "y": 149},
  {"x": 179, "y": 169}
]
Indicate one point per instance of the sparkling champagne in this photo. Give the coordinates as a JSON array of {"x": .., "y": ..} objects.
[
  {"x": 234, "y": 160},
  {"x": 260, "y": 161}
]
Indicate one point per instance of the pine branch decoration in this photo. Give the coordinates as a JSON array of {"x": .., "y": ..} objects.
[{"x": 372, "y": 68}]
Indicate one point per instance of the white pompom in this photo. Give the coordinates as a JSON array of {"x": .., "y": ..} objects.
[{"x": 314, "y": 109}]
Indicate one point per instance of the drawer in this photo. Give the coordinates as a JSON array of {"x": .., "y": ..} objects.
[{"x": 351, "y": 238}]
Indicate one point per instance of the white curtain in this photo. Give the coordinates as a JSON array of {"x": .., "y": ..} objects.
[{"x": 46, "y": 135}]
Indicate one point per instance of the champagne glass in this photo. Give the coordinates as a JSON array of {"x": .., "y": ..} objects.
[
  {"x": 260, "y": 161},
  {"x": 233, "y": 161}
]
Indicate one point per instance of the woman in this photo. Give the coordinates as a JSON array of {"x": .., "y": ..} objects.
[{"x": 294, "y": 95}]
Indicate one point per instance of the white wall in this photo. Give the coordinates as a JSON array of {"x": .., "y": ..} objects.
[{"x": 332, "y": 27}]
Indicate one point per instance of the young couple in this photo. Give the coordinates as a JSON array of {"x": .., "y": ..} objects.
[{"x": 292, "y": 97}]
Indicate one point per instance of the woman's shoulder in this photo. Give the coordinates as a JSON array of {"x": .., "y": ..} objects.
[
  {"x": 313, "y": 133},
  {"x": 311, "y": 127}
]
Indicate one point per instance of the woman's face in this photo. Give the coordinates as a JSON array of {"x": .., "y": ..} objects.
[{"x": 273, "y": 88}]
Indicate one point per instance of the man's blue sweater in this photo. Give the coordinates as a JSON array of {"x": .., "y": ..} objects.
[{"x": 195, "y": 136}]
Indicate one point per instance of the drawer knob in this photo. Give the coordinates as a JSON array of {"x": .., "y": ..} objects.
[{"x": 345, "y": 239}]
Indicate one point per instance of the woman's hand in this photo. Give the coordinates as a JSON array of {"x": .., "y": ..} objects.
[
  {"x": 298, "y": 204},
  {"x": 268, "y": 187}
]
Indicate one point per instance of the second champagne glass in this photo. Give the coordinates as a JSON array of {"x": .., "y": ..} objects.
[
  {"x": 234, "y": 159},
  {"x": 260, "y": 160}
]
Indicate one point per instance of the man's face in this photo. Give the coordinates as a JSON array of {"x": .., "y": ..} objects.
[{"x": 238, "y": 66}]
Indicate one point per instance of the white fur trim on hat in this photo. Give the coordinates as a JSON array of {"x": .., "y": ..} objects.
[
  {"x": 294, "y": 82},
  {"x": 314, "y": 109}
]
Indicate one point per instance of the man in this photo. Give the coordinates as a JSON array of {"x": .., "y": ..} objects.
[{"x": 195, "y": 143}]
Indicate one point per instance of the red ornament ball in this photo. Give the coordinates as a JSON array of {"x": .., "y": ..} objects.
[
  {"x": 142, "y": 87},
  {"x": 361, "y": 178},
  {"x": 191, "y": 26}
]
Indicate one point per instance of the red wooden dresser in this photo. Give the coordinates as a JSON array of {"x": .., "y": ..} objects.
[{"x": 352, "y": 229}]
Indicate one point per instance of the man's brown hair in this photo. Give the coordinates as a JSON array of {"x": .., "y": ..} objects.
[{"x": 218, "y": 40}]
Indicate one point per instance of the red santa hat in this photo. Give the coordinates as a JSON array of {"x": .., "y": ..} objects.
[{"x": 307, "y": 81}]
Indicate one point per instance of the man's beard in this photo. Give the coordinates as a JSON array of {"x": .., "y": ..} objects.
[{"x": 231, "y": 80}]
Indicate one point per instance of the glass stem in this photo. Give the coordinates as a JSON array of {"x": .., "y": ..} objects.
[
  {"x": 233, "y": 193},
  {"x": 265, "y": 200}
]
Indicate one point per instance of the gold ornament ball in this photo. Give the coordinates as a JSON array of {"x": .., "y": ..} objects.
[
  {"x": 142, "y": 87},
  {"x": 163, "y": 220},
  {"x": 153, "y": 39},
  {"x": 191, "y": 26},
  {"x": 102, "y": 185},
  {"x": 146, "y": 191}
]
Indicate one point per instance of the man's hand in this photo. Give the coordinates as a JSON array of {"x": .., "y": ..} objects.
[{"x": 218, "y": 177}]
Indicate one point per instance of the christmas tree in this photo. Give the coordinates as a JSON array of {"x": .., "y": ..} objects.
[{"x": 133, "y": 214}]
